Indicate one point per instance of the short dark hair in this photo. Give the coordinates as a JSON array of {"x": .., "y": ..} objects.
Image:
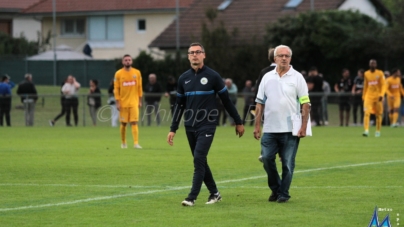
[
  {"x": 394, "y": 70},
  {"x": 344, "y": 70},
  {"x": 95, "y": 82},
  {"x": 197, "y": 44},
  {"x": 126, "y": 55},
  {"x": 313, "y": 68},
  {"x": 361, "y": 70},
  {"x": 4, "y": 77}
]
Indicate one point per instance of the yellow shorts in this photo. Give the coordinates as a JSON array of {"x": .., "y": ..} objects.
[
  {"x": 373, "y": 106},
  {"x": 129, "y": 114},
  {"x": 394, "y": 103}
]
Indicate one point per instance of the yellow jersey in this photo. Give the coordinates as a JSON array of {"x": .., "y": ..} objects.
[
  {"x": 394, "y": 87},
  {"x": 373, "y": 84},
  {"x": 128, "y": 87}
]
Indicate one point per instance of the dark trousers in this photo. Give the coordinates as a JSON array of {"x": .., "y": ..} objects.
[
  {"x": 72, "y": 104},
  {"x": 285, "y": 144},
  {"x": 200, "y": 142},
  {"x": 316, "y": 109},
  {"x": 357, "y": 104},
  {"x": 246, "y": 112},
  {"x": 63, "y": 104},
  {"x": 5, "y": 108}
]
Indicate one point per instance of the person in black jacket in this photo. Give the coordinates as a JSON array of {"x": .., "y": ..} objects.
[
  {"x": 94, "y": 100},
  {"x": 196, "y": 99},
  {"x": 315, "y": 85},
  {"x": 27, "y": 91},
  {"x": 271, "y": 58},
  {"x": 153, "y": 96},
  {"x": 171, "y": 92},
  {"x": 5, "y": 100}
]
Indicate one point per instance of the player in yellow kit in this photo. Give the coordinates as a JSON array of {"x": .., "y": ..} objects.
[
  {"x": 373, "y": 92},
  {"x": 394, "y": 91},
  {"x": 128, "y": 95}
]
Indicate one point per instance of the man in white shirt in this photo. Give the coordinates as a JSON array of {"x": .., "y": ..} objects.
[{"x": 279, "y": 97}]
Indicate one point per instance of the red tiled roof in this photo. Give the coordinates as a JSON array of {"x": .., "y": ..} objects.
[
  {"x": 16, "y": 4},
  {"x": 70, "y": 6},
  {"x": 249, "y": 17}
]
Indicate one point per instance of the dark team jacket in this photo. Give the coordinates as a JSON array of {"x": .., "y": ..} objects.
[
  {"x": 26, "y": 90},
  {"x": 196, "y": 99}
]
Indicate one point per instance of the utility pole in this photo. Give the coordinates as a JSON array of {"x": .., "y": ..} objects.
[{"x": 54, "y": 40}]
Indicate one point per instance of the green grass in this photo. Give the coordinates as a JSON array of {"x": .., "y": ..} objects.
[{"x": 81, "y": 177}]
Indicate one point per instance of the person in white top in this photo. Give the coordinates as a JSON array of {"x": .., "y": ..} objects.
[
  {"x": 281, "y": 93},
  {"x": 70, "y": 90}
]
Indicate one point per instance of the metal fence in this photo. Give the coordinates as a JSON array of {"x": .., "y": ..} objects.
[{"x": 48, "y": 106}]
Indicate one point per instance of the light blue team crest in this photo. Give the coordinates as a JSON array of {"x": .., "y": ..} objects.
[
  {"x": 374, "y": 222},
  {"x": 134, "y": 76}
]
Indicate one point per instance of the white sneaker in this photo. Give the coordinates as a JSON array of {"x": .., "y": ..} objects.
[
  {"x": 188, "y": 202},
  {"x": 137, "y": 146},
  {"x": 260, "y": 158},
  {"x": 124, "y": 145},
  {"x": 214, "y": 198}
]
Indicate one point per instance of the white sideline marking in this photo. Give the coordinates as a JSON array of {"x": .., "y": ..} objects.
[
  {"x": 184, "y": 187},
  {"x": 79, "y": 185},
  {"x": 328, "y": 187}
]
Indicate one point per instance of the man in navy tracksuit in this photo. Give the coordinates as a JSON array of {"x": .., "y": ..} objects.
[{"x": 196, "y": 99}]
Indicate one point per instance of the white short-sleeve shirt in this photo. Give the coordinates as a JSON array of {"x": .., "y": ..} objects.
[{"x": 280, "y": 95}]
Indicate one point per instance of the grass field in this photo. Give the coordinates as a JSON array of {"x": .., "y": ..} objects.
[{"x": 81, "y": 177}]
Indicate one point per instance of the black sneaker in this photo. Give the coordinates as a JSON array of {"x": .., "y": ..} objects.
[
  {"x": 214, "y": 198},
  {"x": 273, "y": 197},
  {"x": 282, "y": 200},
  {"x": 188, "y": 202}
]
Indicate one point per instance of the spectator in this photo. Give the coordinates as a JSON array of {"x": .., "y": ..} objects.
[
  {"x": 232, "y": 89},
  {"x": 171, "y": 92},
  {"x": 94, "y": 100},
  {"x": 112, "y": 104},
  {"x": 343, "y": 88},
  {"x": 357, "y": 90},
  {"x": 248, "y": 101},
  {"x": 315, "y": 86},
  {"x": 153, "y": 97},
  {"x": 5, "y": 100},
  {"x": 63, "y": 104},
  {"x": 70, "y": 90},
  {"x": 324, "y": 100},
  {"x": 27, "y": 91}
]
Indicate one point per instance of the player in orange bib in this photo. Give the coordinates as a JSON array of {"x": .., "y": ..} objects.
[
  {"x": 128, "y": 95},
  {"x": 394, "y": 91},
  {"x": 373, "y": 92}
]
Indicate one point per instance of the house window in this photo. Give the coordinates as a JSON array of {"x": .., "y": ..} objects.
[
  {"x": 105, "y": 28},
  {"x": 141, "y": 25},
  {"x": 293, "y": 4},
  {"x": 73, "y": 27}
]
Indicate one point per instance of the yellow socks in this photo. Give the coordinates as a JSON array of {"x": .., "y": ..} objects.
[
  {"x": 366, "y": 120},
  {"x": 135, "y": 134},
  {"x": 379, "y": 122},
  {"x": 123, "y": 133}
]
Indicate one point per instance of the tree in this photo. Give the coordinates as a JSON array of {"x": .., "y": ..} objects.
[
  {"x": 330, "y": 40},
  {"x": 231, "y": 60}
]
